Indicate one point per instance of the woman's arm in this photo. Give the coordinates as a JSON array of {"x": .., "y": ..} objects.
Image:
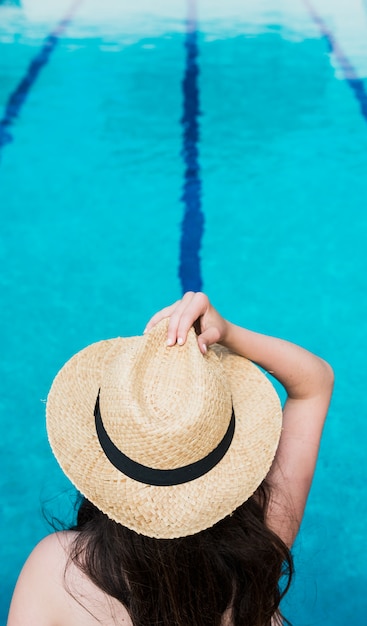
[{"x": 308, "y": 381}]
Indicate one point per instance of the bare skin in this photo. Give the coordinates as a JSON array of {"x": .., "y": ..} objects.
[
  {"x": 41, "y": 597},
  {"x": 50, "y": 594}
]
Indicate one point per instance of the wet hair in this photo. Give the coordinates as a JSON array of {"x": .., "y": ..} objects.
[{"x": 238, "y": 565}]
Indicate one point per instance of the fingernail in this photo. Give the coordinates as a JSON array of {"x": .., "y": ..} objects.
[
  {"x": 180, "y": 341},
  {"x": 205, "y": 349},
  {"x": 145, "y": 330},
  {"x": 169, "y": 341}
]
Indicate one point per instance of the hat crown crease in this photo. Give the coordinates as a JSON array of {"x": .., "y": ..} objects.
[{"x": 165, "y": 407}]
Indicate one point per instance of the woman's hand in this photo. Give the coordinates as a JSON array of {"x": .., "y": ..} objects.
[{"x": 193, "y": 310}]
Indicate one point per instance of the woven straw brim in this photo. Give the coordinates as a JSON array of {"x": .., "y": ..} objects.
[{"x": 169, "y": 511}]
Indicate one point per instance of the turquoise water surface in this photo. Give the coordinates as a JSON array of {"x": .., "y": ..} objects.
[{"x": 95, "y": 158}]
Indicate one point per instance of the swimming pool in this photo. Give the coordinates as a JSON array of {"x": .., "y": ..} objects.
[{"x": 143, "y": 154}]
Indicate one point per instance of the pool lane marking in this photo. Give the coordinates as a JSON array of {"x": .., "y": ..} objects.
[
  {"x": 192, "y": 225},
  {"x": 19, "y": 95},
  {"x": 349, "y": 72}
]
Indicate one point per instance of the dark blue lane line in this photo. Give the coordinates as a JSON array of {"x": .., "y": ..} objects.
[
  {"x": 193, "y": 220},
  {"x": 20, "y": 94},
  {"x": 349, "y": 72}
]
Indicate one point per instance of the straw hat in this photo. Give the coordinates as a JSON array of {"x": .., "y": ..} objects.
[{"x": 164, "y": 440}]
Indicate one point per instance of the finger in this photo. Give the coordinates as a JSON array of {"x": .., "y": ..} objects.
[
  {"x": 181, "y": 311},
  {"x": 207, "y": 338},
  {"x": 160, "y": 315},
  {"x": 195, "y": 309}
]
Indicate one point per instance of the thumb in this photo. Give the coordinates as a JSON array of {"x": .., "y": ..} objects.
[{"x": 207, "y": 338}]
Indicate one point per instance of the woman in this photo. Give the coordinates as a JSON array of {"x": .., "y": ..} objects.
[{"x": 194, "y": 480}]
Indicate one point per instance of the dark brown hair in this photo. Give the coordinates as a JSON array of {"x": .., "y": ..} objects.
[{"x": 239, "y": 564}]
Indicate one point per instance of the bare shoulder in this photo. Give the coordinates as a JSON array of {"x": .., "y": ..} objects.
[
  {"x": 51, "y": 551},
  {"x": 52, "y": 591},
  {"x": 39, "y": 578}
]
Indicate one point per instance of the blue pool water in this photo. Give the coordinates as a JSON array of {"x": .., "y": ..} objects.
[{"x": 138, "y": 159}]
